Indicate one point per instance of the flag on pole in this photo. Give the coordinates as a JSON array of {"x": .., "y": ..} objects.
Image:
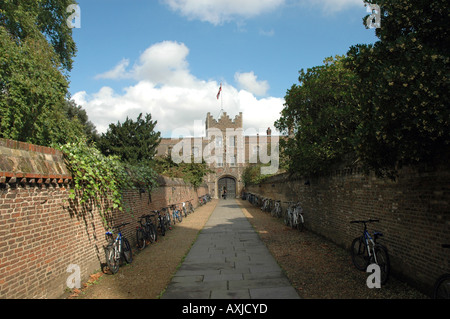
[{"x": 220, "y": 90}]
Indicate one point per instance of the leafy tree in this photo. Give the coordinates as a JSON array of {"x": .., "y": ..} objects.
[
  {"x": 132, "y": 141},
  {"x": 36, "y": 47},
  {"x": 192, "y": 173},
  {"x": 25, "y": 18},
  {"x": 403, "y": 87},
  {"x": 252, "y": 174},
  {"x": 33, "y": 92},
  {"x": 75, "y": 112},
  {"x": 384, "y": 104},
  {"x": 319, "y": 115}
]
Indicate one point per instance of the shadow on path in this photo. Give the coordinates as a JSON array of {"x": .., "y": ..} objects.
[{"x": 229, "y": 261}]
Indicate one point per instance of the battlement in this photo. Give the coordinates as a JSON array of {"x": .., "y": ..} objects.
[{"x": 224, "y": 121}]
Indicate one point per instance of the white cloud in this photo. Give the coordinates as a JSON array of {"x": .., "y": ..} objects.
[
  {"x": 248, "y": 81},
  {"x": 174, "y": 97},
  {"x": 164, "y": 63},
  {"x": 220, "y": 11},
  {"x": 118, "y": 72}
]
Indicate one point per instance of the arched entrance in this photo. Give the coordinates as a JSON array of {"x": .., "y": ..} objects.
[{"x": 228, "y": 183}]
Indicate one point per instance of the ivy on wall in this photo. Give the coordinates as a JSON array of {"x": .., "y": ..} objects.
[{"x": 97, "y": 177}]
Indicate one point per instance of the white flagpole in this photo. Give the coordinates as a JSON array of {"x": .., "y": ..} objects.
[{"x": 221, "y": 100}]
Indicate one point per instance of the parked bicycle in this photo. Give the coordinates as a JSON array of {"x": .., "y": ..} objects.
[
  {"x": 441, "y": 289},
  {"x": 185, "y": 209},
  {"x": 267, "y": 205},
  {"x": 176, "y": 214},
  {"x": 294, "y": 216},
  {"x": 166, "y": 217},
  {"x": 253, "y": 199},
  {"x": 190, "y": 207},
  {"x": 365, "y": 250},
  {"x": 146, "y": 231},
  {"x": 277, "y": 211},
  {"x": 161, "y": 222},
  {"x": 117, "y": 249}
]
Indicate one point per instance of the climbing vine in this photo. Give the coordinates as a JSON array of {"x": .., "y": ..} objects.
[{"x": 97, "y": 177}]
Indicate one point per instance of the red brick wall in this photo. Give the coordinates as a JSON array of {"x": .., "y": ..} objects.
[
  {"x": 414, "y": 213},
  {"x": 42, "y": 232}
]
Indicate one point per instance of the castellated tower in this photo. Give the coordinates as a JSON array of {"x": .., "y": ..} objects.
[
  {"x": 227, "y": 139},
  {"x": 224, "y": 122},
  {"x": 225, "y": 149}
]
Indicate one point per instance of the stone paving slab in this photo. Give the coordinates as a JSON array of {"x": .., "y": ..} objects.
[{"x": 229, "y": 261}]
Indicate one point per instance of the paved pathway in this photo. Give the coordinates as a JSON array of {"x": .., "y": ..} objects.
[{"x": 229, "y": 261}]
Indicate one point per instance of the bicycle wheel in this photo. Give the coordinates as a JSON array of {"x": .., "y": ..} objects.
[
  {"x": 287, "y": 217},
  {"x": 153, "y": 235},
  {"x": 360, "y": 256},
  {"x": 140, "y": 238},
  {"x": 383, "y": 262},
  {"x": 174, "y": 217},
  {"x": 111, "y": 258},
  {"x": 180, "y": 216},
  {"x": 167, "y": 221},
  {"x": 127, "y": 253},
  {"x": 162, "y": 227},
  {"x": 441, "y": 288}
]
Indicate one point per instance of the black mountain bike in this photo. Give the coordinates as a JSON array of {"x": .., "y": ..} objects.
[
  {"x": 365, "y": 250},
  {"x": 161, "y": 222},
  {"x": 146, "y": 231},
  {"x": 166, "y": 217}
]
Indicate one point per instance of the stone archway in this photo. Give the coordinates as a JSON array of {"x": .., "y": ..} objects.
[{"x": 228, "y": 182}]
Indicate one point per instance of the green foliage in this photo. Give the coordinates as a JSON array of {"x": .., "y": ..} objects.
[
  {"x": 403, "y": 87},
  {"x": 36, "y": 47},
  {"x": 32, "y": 93},
  {"x": 192, "y": 173},
  {"x": 97, "y": 177},
  {"x": 23, "y": 19},
  {"x": 252, "y": 174},
  {"x": 320, "y": 114},
  {"x": 383, "y": 105},
  {"x": 75, "y": 112},
  {"x": 94, "y": 174},
  {"x": 133, "y": 142}
]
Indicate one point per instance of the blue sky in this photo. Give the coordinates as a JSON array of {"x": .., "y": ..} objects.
[{"x": 168, "y": 57}]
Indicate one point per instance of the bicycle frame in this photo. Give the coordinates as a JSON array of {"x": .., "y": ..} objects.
[
  {"x": 370, "y": 243},
  {"x": 117, "y": 243},
  {"x": 298, "y": 213},
  {"x": 368, "y": 238},
  {"x": 176, "y": 213}
]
